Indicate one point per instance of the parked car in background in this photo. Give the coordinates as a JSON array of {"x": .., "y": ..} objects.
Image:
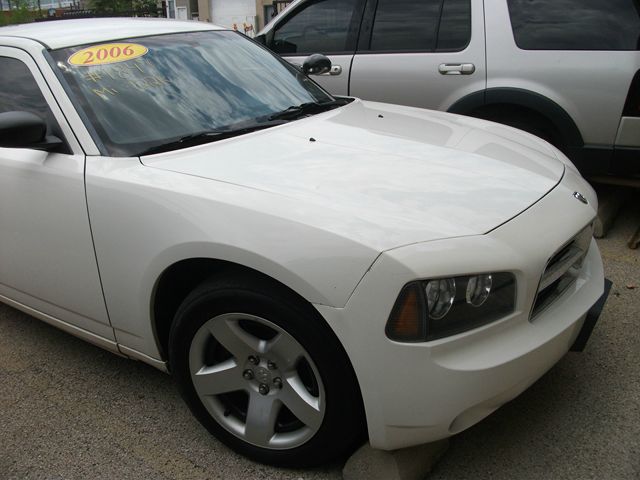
[
  {"x": 567, "y": 71},
  {"x": 310, "y": 269}
]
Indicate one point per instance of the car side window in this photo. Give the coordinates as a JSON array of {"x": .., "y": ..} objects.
[
  {"x": 20, "y": 92},
  {"x": 324, "y": 26},
  {"x": 425, "y": 26},
  {"x": 576, "y": 24}
]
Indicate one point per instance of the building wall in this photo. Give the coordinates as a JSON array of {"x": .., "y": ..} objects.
[
  {"x": 174, "y": 5},
  {"x": 238, "y": 14},
  {"x": 249, "y": 13},
  {"x": 262, "y": 21},
  {"x": 204, "y": 11}
]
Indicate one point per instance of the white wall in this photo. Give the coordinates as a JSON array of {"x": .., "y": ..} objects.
[{"x": 240, "y": 12}]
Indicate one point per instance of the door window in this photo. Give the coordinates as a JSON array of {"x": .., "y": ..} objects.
[
  {"x": 576, "y": 24},
  {"x": 454, "y": 33},
  {"x": 20, "y": 92},
  {"x": 325, "y": 26},
  {"x": 426, "y": 26}
]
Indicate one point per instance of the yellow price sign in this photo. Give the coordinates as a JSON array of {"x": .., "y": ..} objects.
[{"x": 106, "y": 54}]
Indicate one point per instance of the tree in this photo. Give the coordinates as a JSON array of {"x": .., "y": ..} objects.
[
  {"x": 123, "y": 5},
  {"x": 111, "y": 5},
  {"x": 146, "y": 5},
  {"x": 21, "y": 11}
]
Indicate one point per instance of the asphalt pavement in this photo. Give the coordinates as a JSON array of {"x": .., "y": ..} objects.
[{"x": 69, "y": 410}]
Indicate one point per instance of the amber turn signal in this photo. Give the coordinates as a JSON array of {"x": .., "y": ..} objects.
[{"x": 407, "y": 321}]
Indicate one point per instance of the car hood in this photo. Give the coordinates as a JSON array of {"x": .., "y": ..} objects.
[{"x": 384, "y": 175}]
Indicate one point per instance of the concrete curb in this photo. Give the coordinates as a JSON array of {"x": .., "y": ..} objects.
[
  {"x": 412, "y": 463},
  {"x": 610, "y": 201}
]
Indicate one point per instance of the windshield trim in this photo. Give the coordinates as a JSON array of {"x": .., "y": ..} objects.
[{"x": 88, "y": 125}]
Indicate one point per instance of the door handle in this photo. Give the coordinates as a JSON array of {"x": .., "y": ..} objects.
[
  {"x": 335, "y": 70},
  {"x": 456, "y": 68}
]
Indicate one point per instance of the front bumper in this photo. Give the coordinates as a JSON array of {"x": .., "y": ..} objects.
[{"x": 422, "y": 392}]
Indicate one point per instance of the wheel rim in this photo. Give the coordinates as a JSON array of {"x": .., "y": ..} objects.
[{"x": 257, "y": 381}]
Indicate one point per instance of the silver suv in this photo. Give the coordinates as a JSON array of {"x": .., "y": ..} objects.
[{"x": 565, "y": 70}]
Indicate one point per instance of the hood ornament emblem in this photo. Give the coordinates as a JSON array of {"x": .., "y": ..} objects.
[{"x": 581, "y": 197}]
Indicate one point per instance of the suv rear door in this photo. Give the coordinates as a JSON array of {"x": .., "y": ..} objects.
[
  {"x": 330, "y": 27},
  {"x": 426, "y": 53}
]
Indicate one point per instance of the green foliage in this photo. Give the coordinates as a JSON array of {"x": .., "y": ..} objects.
[
  {"x": 26, "y": 11},
  {"x": 145, "y": 5},
  {"x": 110, "y": 5},
  {"x": 22, "y": 11},
  {"x": 122, "y": 5}
]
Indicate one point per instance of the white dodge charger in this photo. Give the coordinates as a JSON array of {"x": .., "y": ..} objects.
[{"x": 310, "y": 269}]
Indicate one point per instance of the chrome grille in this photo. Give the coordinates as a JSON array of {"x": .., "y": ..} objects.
[{"x": 562, "y": 270}]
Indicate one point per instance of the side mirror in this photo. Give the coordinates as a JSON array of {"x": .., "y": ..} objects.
[
  {"x": 316, "y": 64},
  {"x": 25, "y": 130}
]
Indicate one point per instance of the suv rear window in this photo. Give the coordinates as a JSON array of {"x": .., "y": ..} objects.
[{"x": 576, "y": 24}]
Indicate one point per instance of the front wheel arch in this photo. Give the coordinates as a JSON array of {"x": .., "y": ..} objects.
[{"x": 181, "y": 277}]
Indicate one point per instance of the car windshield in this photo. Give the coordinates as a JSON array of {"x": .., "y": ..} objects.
[{"x": 144, "y": 93}]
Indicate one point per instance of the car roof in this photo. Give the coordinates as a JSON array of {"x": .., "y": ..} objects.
[{"x": 66, "y": 33}]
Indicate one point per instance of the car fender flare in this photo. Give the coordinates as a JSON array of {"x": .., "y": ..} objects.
[
  {"x": 219, "y": 259},
  {"x": 540, "y": 104}
]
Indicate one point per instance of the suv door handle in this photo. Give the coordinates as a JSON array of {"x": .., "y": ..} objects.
[
  {"x": 456, "y": 68},
  {"x": 335, "y": 70}
]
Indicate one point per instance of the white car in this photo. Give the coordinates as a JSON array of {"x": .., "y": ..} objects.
[{"x": 308, "y": 268}]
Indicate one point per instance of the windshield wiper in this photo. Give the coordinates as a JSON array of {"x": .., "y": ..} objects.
[
  {"x": 309, "y": 108},
  {"x": 206, "y": 136}
]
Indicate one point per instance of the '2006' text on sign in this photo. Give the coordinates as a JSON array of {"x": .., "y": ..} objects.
[{"x": 107, "y": 53}]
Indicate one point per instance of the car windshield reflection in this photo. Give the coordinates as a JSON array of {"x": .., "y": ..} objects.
[{"x": 137, "y": 93}]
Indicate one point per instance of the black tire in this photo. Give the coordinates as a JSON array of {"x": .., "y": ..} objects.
[{"x": 342, "y": 426}]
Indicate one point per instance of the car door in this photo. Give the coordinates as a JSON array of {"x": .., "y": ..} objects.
[
  {"x": 426, "y": 53},
  {"x": 47, "y": 259},
  {"x": 320, "y": 26}
]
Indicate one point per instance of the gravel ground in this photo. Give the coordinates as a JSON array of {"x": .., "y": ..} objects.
[{"x": 70, "y": 410}]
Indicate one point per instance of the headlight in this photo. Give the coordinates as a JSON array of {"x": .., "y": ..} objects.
[
  {"x": 430, "y": 309},
  {"x": 478, "y": 289},
  {"x": 440, "y": 296}
]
